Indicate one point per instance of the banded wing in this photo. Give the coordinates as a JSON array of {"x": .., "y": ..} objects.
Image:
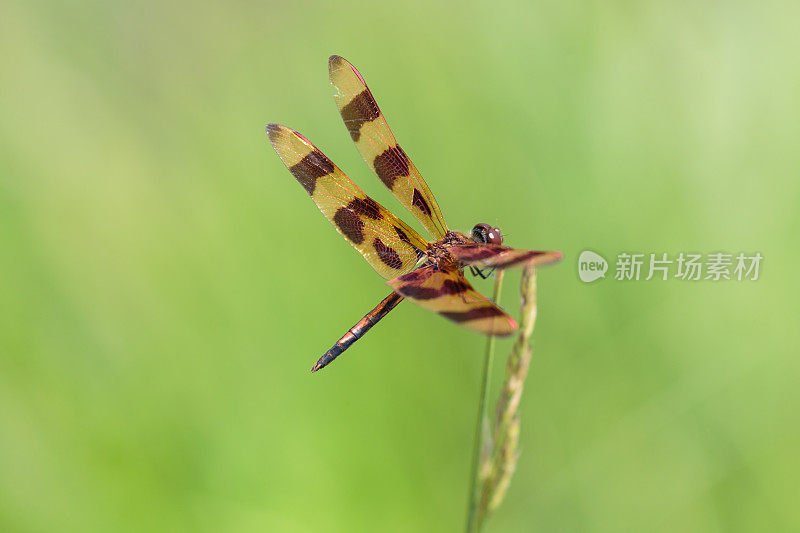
[
  {"x": 496, "y": 256},
  {"x": 388, "y": 244},
  {"x": 376, "y": 143},
  {"x": 448, "y": 293}
]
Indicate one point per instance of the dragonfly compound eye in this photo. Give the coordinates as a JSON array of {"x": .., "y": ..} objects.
[{"x": 485, "y": 234}]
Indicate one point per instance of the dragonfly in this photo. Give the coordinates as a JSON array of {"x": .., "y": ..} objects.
[{"x": 429, "y": 273}]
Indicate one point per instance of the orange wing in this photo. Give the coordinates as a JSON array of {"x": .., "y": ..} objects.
[
  {"x": 448, "y": 293},
  {"x": 376, "y": 143},
  {"x": 496, "y": 256},
  {"x": 388, "y": 244}
]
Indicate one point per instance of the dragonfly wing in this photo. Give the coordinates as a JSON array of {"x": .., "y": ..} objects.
[
  {"x": 496, "y": 256},
  {"x": 388, "y": 244},
  {"x": 448, "y": 293},
  {"x": 376, "y": 143}
]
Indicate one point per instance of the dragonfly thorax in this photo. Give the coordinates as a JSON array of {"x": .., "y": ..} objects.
[{"x": 438, "y": 253}]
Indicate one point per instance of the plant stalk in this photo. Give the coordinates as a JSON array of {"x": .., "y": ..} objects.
[
  {"x": 483, "y": 445},
  {"x": 505, "y": 438}
]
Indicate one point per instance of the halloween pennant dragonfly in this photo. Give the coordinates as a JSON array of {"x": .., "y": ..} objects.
[{"x": 431, "y": 274}]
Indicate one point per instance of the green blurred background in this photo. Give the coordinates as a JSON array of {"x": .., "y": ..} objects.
[{"x": 166, "y": 284}]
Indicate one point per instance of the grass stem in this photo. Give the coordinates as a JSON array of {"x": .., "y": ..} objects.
[{"x": 483, "y": 446}]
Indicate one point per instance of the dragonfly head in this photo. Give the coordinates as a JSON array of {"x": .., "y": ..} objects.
[{"x": 485, "y": 234}]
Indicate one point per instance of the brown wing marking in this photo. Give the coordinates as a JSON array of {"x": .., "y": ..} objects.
[
  {"x": 448, "y": 293},
  {"x": 496, "y": 256},
  {"x": 376, "y": 143},
  {"x": 388, "y": 244}
]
